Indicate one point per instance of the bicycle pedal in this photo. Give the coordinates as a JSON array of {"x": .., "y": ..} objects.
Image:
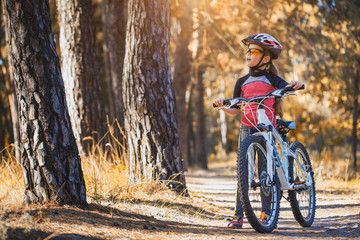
[{"x": 298, "y": 183}]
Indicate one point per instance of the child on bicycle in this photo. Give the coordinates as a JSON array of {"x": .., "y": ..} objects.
[{"x": 261, "y": 79}]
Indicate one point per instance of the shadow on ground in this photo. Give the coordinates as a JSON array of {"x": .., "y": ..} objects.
[
  {"x": 21, "y": 234},
  {"x": 95, "y": 216}
]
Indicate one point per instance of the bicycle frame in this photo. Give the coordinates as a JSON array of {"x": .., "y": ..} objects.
[{"x": 280, "y": 163}]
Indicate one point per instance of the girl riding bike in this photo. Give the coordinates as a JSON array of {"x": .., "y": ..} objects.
[{"x": 261, "y": 79}]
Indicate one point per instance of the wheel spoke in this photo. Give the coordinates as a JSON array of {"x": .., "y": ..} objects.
[{"x": 302, "y": 200}]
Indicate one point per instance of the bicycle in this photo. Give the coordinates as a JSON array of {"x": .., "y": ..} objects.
[{"x": 263, "y": 174}]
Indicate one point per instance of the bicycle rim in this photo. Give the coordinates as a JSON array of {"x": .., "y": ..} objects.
[{"x": 302, "y": 200}]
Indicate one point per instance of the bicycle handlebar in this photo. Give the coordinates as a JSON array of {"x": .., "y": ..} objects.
[
  {"x": 276, "y": 93},
  {"x": 291, "y": 88}
]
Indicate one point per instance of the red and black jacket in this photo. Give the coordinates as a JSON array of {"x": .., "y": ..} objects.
[{"x": 258, "y": 84}]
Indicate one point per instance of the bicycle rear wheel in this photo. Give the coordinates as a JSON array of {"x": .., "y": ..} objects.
[
  {"x": 303, "y": 199},
  {"x": 260, "y": 201}
]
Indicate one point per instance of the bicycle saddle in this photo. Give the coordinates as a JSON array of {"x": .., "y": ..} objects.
[{"x": 291, "y": 125}]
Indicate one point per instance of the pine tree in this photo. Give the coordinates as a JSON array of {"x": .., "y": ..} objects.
[
  {"x": 49, "y": 156},
  {"x": 150, "y": 114}
]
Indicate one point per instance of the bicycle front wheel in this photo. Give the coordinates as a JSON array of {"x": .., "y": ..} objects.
[
  {"x": 259, "y": 196},
  {"x": 303, "y": 199}
]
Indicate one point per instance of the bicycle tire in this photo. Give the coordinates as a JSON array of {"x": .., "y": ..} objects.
[
  {"x": 252, "y": 187},
  {"x": 302, "y": 201}
]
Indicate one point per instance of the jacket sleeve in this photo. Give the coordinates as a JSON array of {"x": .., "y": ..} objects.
[
  {"x": 278, "y": 82},
  {"x": 237, "y": 89}
]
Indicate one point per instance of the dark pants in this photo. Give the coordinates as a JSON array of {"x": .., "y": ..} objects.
[{"x": 266, "y": 201}]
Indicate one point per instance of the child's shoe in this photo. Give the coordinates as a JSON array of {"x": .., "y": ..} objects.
[{"x": 236, "y": 223}]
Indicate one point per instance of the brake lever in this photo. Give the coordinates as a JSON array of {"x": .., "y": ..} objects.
[
  {"x": 219, "y": 108},
  {"x": 227, "y": 106},
  {"x": 285, "y": 95}
]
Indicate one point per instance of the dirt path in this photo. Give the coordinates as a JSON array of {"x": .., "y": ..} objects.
[
  {"x": 202, "y": 216},
  {"x": 337, "y": 215}
]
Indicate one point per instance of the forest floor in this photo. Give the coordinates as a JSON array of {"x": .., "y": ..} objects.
[{"x": 201, "y": 216}]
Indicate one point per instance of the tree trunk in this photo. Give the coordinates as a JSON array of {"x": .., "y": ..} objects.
[
  {"x": 355, "y": 118},
  {"x": 190, "y": 139},
  {"x": 198, "y": 70},
  {"x": 14, "y": 118},
  {"x": 212, "y": 139},
  {"x": 223, "y": 124},
  {"x": 49, "y": 156},
  {"x": 5, "y": 79},
  {"x": 10, "y": 84},
  {"x": 150, "y": 114},
  {"x": 114, "y": 18},
  {"x": 201, "y": 138},
  {"x": 182, "y": 77},
  {"x": 2, "y": 130},
  {"x": 80, "y": 69},
  {"x": 5, "y": 126}
]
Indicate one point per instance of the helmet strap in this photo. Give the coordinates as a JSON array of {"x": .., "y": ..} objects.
[{"x": 257, "y": 66}]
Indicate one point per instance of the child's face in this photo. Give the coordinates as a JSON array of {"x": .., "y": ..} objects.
[{"x": 252, "y": 59}]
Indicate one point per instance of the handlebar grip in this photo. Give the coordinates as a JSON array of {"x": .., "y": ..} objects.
[
  {"x": 225, "y": 102},
  {"x": 288, "y": 89},
  {"x": 291, "y": 88}
]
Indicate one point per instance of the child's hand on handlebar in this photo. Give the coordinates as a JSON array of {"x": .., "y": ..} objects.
[
  {"x": 219, "y": 101},
  {"x": 296, "y": 84}
]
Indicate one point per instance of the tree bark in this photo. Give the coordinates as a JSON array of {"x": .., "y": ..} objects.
[
  {"x": 150, "y": 114},
  {"x": 80, "y": 68},
  {"x": 49, "y": 156},
  {"x": 200, "y": 119},
  {"x": 114, "y": 18},
  {"x": 182, "y": 77}
]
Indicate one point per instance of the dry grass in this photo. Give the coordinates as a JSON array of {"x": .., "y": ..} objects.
[
  {"x": 106, "y": 176},
  {"x": 107, "y": 182},
  {"x": 107, "y": 186},
  {"x": 104, "y": 172},
  {"x": 332, "y": 168},
  {"x": 11, "y": 180}
]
